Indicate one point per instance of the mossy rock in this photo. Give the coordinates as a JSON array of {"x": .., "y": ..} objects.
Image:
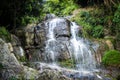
[{"x": 111, "y": 58}]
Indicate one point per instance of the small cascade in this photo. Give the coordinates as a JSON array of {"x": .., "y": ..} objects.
[
  {"x": 81, "y": 52},
  {"x": 51, "y": 43}
]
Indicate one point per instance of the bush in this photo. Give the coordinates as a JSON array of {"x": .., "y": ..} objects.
[
  {"x": 4, "y": 34},
  {"x": 111, "y": 58},
  {"x": 59, "y": 7}
]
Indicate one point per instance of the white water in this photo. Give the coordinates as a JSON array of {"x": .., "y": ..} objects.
[
  {"x": 50, "y": 43},
  {"x": 79, "y": 50}
]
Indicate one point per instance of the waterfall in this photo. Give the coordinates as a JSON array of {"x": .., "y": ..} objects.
[
  {"x": 50, "y": 48},
  {"x": 78, "y": 48},
  {"x": 81, "y": 51}
]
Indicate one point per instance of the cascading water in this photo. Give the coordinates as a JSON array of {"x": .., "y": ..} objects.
[
  {"x": 81, "y": 51},
  {"x": 78, "y": 50},
  {"x": 51, "y": 39},
  {"x": 51, "y": 43}
]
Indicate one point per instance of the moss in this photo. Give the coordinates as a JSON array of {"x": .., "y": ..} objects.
[
  {"x": 67, "y": 63},
  {"x": 111, "y": 58}
]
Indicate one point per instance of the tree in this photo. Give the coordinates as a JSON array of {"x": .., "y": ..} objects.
[{"x": 13, "y": 11}]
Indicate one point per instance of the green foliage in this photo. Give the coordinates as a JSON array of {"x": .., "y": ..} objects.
[
  {"x": 4, "y": 34},
  {"x": 111, "y": 58},
  {"x": 97, "y": 31},
  {"x": 21, "y": 14},
  {"x": 33, "y": 12},
  {"x": 67, "y": 63},
  {"x": 27, "y": 19},
  {"x": 116, "y": 23},
  {"x": 59, "y": 7},
  {"x": 117, "y": 15},
  {"x": 92, "y": 25}
]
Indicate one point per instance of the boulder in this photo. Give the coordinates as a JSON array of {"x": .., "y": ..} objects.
[{"x": 10, "y": 67}]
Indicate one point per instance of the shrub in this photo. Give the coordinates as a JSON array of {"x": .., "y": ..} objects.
[
  {"x": 59, "y": 7},
  {"x": 4, "y": 34},
  {"x": 111, "y": 58}
]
